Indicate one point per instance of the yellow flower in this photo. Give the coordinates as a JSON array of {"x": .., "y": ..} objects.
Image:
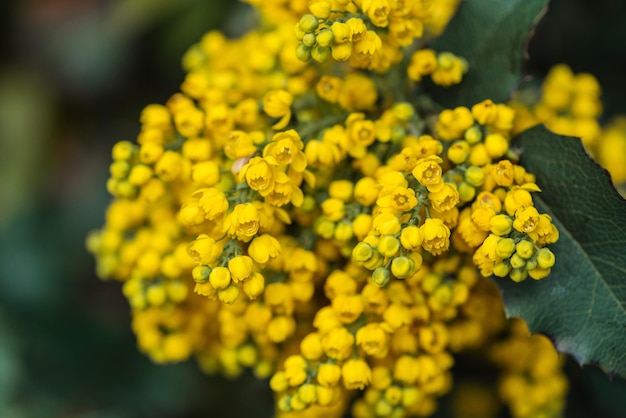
[
  {"x": 518, "y": 197},
  {"x": 284, "y": 192},
  {"x": 503, "y": 173},
  {"x": 280, "y": 328},
  {"x": 212, "y": 202},
  {"x": 526, "y": 219},
  {"x": 278, "y": 382},
  {"x": 286, "y": 148},
  {"x": 329, "y": 88},
  {"x": 228, "y": 295},
  {"x": 505, "y": 119},
  {"x": 295, "y": 374},
  {"x": 204, "y": 249},
  {"x": 259, "y": 173},
  {"x": 500, "y": 225},
  {"x": 338, "y": 343},
  {"x": 453, "y": 123},
  {"x": 341, "y": 32},
  {"x": 458, "y": 151},
  {"x": 445, "y": 198},
  {"x": 322, "y": 154},
  {"x": 496, "y": 145},
  {"x": 362, "y": 133},
  {"x": 356, "y": 374},
  {"x": 220, "y": 278},
  {"x": 358, "y": 92},
  {"x": 169, "y": 166},
  {"x": 386, "y": 224},
  {"x": 368, "y": 45},
  {"x": 436, "y": 236},
  {"x": 246, "y": 113},
  {"x": 366, "y": 191},
  {"x": 485, "y": 112},
  {"x": 397, "y": 315},
  {"x": 311, "y": 347},
  {"x": 148, "y": 153},
  {"x": 357, "y": 28},
  {"x": 254, "y": 285},
  {"x": 277, "y": 104},
  {"x": 423, "y": 62},
  {"x": 155, "y": 116},
  {"x": 348, "y": 307},
  {"x": 243, "y": 222},
  {"x": 320, "y": 8},
  {"x": 190, "y": 214},
  {"x": 374, "y": 339},
  {"x": 219, "y": 119},
  {"x": 399, "y": 200},
  {"x": 263, "y": 248},
  {"x": 545, "y": 233},
  {"x": 341, "y": 52},
  {"x": 206, "y": 173},
  {"x": 189, "y": 122},
  {"x": 428, "y": 172},
  {"x": 278, "y": 297},
  {"x": 328, "y": 374},
  {"x": 450, "y": 69},
  {"x": 377, "y": 11},
  {"x": 411, "y": 238},
  {"x": 406, "y": 370},
  {"x": 240, "y": 144},
  {"x": 240, "y": 268}
]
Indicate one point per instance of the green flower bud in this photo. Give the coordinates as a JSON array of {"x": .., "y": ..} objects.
[
  {"x": 309, "y": 39},
  {"x": 388, "y": 245},
  {"x": 303, "y": 52},
  {"x": 362, "y": 252},
  {"x": 201, "y": 273},
  {"x": 545, "y": 258},
  {"x": 381, "y": 276},
  {"x": 505, "y": 247},
  {"x": 402, "y": 267},
  {"x": 320, "y": 53},
  {"x": 475, "y": 176},
  {"x": 308, "y": 23},
  {"x": 325, "y": 37},
  {"x": 525, "y": 249}
]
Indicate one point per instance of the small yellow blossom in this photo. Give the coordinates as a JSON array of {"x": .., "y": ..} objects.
[
  {"x": 277, "y": 104},
  {"x": 242, "y": 222},
  {"x": 356, "y": 374},
  {"x": 436, "y": 236}
]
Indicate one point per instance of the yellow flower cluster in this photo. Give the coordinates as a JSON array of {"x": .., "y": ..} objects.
[
  {"x": 306, "y": 222},
  {"x": 370, "y": 34},
  {"x": 445, "y": 68},
  {"x": 610, "y": 151},
  {"x": 569, "y": 104},
  {"x": 532, "y": 382}
]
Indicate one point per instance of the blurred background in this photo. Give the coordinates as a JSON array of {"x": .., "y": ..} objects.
[{"x": 74, "y": 75}]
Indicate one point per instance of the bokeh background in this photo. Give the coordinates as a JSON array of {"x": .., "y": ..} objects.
[{"x": 74, "y": 75}]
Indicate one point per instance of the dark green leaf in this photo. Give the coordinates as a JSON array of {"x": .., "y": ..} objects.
[
  {"x": 491, "y": 36},
  {"x": 581, "y": 305}
]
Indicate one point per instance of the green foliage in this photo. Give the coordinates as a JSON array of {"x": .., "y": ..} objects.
[
  {"x": 582, "y": 305},
  {"x": 491, "y": 36}
]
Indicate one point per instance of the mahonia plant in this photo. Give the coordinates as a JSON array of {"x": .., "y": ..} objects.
[{"x": 301, "y": 209}]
